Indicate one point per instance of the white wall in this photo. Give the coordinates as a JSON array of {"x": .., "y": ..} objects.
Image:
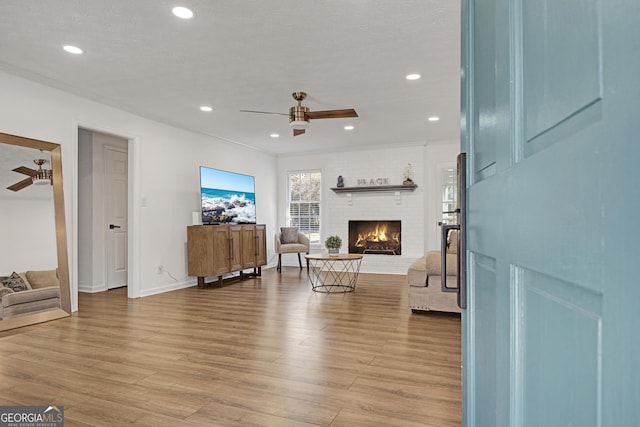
[
  {"x": 164, "y": 185},
  {"x": 27, "y": 222},
  {"x": 414, "y": 209},
  {"x": 85, "y": 211},
  {"x": 28, "y": 242}
]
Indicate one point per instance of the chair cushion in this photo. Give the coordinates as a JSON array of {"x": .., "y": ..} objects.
[
  {"x": 291, "y": 248},
  {"x": 288, "y": 235}
]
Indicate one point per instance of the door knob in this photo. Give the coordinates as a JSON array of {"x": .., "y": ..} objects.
[{"x": 111, "y": 226}]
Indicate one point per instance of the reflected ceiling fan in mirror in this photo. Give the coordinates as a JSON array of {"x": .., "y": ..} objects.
[
  {"x": 38, "y": 176},
  {"x": 299, "y": 115}
]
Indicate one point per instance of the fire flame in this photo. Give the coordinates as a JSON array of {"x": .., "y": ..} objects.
[{"x": 379, "y": 234}]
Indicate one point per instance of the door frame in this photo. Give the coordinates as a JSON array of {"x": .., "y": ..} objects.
[{"x": 133, "y": 214}]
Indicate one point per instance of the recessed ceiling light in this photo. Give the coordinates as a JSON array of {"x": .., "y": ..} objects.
[
  {"x": 413, "y": 76},
  {"x": 275, "y": 135},
  {"x": 73, "y": 49},
  {"x": 434, "y": 118},
  {"x": 348, "y": 127},
  {"x": 182, "y": 12},
  {"x": 206, "y": 108}
]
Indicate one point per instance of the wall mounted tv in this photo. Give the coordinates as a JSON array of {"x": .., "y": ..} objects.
[{"x": 227, "y": 197}]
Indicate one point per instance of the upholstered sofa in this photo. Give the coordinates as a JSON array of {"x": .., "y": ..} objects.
[
  {"x": 424, "y": 278},
  {"x": 42, "y": 293}
]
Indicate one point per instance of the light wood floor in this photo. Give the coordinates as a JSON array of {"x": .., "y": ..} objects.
[{"x": 264, "y": 352}]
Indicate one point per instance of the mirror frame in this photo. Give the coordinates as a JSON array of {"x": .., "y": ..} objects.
[{"x": 61, "y": 235}]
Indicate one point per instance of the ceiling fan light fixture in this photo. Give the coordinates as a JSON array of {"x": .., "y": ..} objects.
[
  {"x": 42, "y": 177},
  {"x": 299, "y": 124}
]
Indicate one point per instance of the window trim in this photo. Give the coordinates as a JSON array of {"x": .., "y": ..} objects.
[{"x": 289, "y": 202}]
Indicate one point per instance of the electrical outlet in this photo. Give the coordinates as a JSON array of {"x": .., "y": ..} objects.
[{"x": 160, "y": 269}]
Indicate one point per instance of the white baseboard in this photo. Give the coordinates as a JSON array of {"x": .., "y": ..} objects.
[
  {"x": 91, "y": 288},
  {"x": 166, "y": 288}
]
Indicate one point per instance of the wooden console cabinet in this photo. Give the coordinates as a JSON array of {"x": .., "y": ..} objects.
[{"x": 215, "y": 250}]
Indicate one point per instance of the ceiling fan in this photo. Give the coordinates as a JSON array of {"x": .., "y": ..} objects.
[
  {"x": 299, "y": 115},
  {"x": 38, "y": 177}
]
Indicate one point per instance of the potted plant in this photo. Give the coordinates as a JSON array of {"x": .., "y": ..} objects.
[{"x": 333, "y": 244}]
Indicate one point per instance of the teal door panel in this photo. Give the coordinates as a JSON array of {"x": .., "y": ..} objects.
[{"x": 550, "y": 107}]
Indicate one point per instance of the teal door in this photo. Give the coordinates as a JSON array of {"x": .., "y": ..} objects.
[{"x": 551, "y": 127}]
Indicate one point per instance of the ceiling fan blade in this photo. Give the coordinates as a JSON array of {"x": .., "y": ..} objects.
[
  {"x": 332, "y": 114},
  {"x": 263, "y": 112},
  {"x": 297, "y": 132},
  {"x": 20, "y": 185},
  {"x": 25, "y": 170}
]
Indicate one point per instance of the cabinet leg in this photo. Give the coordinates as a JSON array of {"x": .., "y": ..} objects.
[
  {"x": 201, "y": 283},
  {"x": 220, "y": 281}
]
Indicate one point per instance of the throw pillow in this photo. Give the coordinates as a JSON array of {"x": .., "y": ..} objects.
[
  {"x": 452, "y": 244},
  {"x": 4, "y": 291},
  {"x": 15, "y": 282},
  {"x": 289, "y": 234},
  {"x": 42, "y": 278}
]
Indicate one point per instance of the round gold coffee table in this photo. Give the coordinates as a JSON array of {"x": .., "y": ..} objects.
[{"x": 334, "y": 273}]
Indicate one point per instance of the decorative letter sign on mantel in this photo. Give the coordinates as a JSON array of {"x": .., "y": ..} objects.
[
  {"x": 363, "y": 188},
  {"x": 372, "y": 184},
  {"x": 373, "y": 181}
]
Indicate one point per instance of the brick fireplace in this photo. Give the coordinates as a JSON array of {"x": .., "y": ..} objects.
[{"x": 382, "y": 237}]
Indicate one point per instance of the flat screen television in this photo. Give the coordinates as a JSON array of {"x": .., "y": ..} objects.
[{"x": 227, "y": 197}]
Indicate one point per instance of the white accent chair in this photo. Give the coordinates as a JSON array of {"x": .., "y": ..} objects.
[{"x": 290, "y": 241}]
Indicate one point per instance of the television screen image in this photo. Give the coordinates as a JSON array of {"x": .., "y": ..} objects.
[{"x": 227, "y": 197}]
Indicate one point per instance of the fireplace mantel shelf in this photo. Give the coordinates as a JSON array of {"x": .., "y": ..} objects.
[{"x": 365, "y": 188}]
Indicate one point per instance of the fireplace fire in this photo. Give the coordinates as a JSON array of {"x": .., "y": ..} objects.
[{"x": 375, "y": 237}]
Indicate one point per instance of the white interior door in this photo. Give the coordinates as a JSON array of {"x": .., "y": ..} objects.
[{"x": 116, "y": 216}]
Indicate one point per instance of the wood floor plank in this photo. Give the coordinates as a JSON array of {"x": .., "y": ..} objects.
[
  {"x": 262, "y": 352},
  {"x": 230, "y": 416}
]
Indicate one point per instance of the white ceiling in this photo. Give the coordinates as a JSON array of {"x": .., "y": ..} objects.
[{"x": 252, "y": 54}]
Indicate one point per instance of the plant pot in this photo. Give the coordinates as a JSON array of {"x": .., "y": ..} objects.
[{"x": 334, "y": 251}]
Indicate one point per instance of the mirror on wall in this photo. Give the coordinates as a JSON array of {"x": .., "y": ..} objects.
[{"x": 33, "y": 257}]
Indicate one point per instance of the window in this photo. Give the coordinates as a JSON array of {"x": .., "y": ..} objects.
[
  {"x": 449, "y": 181},
  {"x": 304, "y": 203}
]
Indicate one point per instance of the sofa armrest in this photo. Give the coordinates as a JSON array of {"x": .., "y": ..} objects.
[{"x": 30, "y": 296}]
